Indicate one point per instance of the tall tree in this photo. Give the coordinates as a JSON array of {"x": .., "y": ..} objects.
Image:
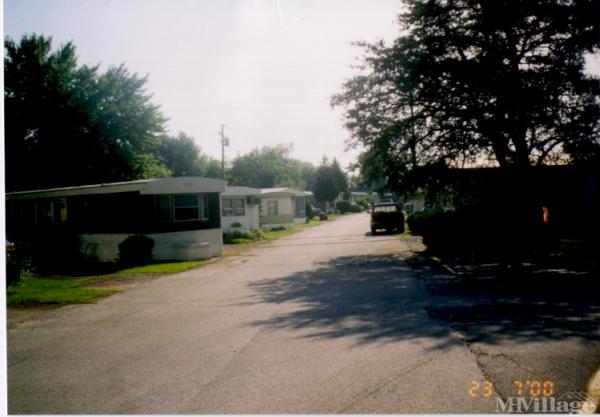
[
  {"x": 68, "y": 124},
  {"x": 328, "y": 182},
  {"x": 476, "y": 82},
  {"x": 340, "y": 177},
  {"x": 180, "y": 154},
  {"x": 184, "y": 158}
]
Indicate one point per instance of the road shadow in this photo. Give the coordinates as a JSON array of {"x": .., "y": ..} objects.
[
  {"x": 382, "y": 233},
  {"x": 377, "y": 298},
  {"x": 373, "y": 298},
  {"x": 496, "y": 304}
]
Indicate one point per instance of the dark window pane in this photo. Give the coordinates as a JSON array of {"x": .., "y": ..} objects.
[
  {"x": 203, "y": 201},
  {"x": 185, "y": 200},
  {"x": 227, "y": 207},
  {"x": 163, "y": 208},
  {"x": 187, "y": 213}
]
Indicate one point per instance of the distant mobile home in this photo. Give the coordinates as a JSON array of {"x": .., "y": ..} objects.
[
  {"x": 182, "y": 216},
  {"x": 240, "y": 209},
  {"x": 282, "y": 207}
]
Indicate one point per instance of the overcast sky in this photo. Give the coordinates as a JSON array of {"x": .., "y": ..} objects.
[{"x": 266, "y": 68}]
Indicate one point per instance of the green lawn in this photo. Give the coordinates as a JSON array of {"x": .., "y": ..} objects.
[
  {"x": 54, "y": 291},
  {"x": 162, "y": 268},
  {"x": 74, "y": 290}
]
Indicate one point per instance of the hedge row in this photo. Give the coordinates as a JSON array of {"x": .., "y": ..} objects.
[
  {"x": 348, "y": 207},
  {"x": 483, "y": 232}
]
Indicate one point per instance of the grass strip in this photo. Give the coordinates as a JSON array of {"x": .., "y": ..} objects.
[{"x": 72, "y": 290}]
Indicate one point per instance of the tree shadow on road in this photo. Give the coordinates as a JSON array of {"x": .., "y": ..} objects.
[
  {"x": 374, "y": 298},
  {"x": 378, "y": 298},
  {"x": 497, "y": 305}
]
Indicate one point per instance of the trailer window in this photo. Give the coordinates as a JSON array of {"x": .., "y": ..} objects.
[
  {"x": 187, "y": 207},
  {"x": 233, "y": 207}
]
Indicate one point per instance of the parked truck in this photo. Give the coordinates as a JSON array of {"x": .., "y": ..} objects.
[{"x": 388, "y": 216}]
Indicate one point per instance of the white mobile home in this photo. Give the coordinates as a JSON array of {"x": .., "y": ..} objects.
[
  {"x": 282, "y": 207},
  {"x": 240, "y": 209},
  {"x": 277, "y": 208},
  {"x": 182, "y": 216}
]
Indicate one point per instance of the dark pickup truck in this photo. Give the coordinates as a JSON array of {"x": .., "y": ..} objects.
[{"x": 387, "y": 216}]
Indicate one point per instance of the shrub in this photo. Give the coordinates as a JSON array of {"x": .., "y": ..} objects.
[
  {"x": 365, "y": 202},
  {"x": 136, "y": 250},
  {"x": 477, "y": 232},
  {"x": 355, "y": 208},
  {"x": 237, "y": 237},
  {"x": 419, "y": 221},
  {"x": 343, "y": 206},
  {"x": 310, "y": 213},
  {"x": 450, "y": 232}
]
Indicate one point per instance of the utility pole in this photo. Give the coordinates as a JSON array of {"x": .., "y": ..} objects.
[{"x": 224, "y": 142}]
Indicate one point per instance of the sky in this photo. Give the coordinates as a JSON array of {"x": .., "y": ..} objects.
[{"x": 265, "y": 68}]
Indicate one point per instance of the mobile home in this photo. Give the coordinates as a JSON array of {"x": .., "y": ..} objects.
[
  {"x": 182, "y": 216},
  {"x": 282, "y": 207},
  {"x": 240, "y": 209}
]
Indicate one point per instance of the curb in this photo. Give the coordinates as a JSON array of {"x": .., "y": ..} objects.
[
  {"x": 416, "y": 246},
  {"x": 446, "y": 267}
]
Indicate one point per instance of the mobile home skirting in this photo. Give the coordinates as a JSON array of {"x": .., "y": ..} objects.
[{"x": 104, "y": 247}]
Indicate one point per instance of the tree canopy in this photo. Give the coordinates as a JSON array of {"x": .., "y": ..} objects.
[
  {"x": 271, "y": 166},
  {"x": 476, "y": 82},
  {"x": 68, "y": 124},
  {"x": 184, "y": 158},
  {"x": 329, "y": 181}
]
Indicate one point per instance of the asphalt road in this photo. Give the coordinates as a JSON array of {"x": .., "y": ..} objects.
[{"x": 330, "y": 320}]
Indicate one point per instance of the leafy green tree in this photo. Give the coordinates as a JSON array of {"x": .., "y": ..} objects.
[
  {"x": 328, "y": 183},
  {"x": 306, "y": 172},
  {"x": 149, "y": 166},
  {"x": 69, "y": 125},
  {"x": 180, "y": 154},
  {"x": 184, "y": 158},
  {"x": 340, "y": 176},
  {"x": 476, "y": 82},
  {"x": 270, "y": 167},
  {"x": 209, "y": 167}
]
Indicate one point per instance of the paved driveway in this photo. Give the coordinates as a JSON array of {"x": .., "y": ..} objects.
[{"x": 330, "y": 320}]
